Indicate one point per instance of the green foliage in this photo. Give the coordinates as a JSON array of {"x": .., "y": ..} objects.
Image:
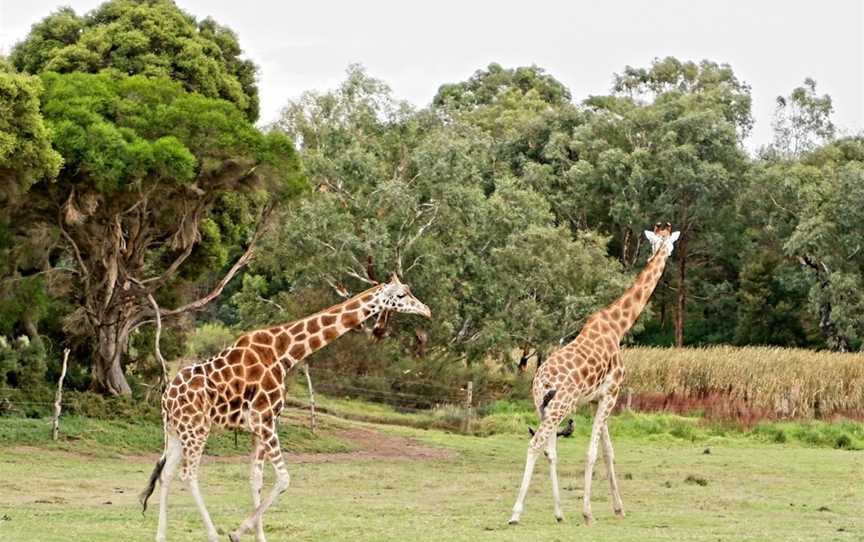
[
  {"x": 23, "y": 363},
  {"x": 208, "y": 340},
  {"x": 26, "y": 155},
  {"x": 154, "y": 39},
  {"x": 770, "y": 303},
  {"x": 445, "y": 203},
  {"x": 497, "y": 83}
]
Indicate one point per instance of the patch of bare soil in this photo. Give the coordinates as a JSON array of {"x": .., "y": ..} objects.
[{"x": 371, "y": 444}]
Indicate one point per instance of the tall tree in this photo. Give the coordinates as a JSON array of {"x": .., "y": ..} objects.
[
  {"x": 666, "y": 143},
  {"x": 158, "y": 186},
  {"x": 164, "y": 179}
]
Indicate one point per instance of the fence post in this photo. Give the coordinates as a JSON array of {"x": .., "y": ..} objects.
[
  {"x": 58, "y": 398},
  {"x": 311, "y": 398},
  {"x": 469, "y": 398},
  {"x": 629, "y": 399}
]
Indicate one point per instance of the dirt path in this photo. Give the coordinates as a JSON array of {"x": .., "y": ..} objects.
[{"x": 373, "y": 444}]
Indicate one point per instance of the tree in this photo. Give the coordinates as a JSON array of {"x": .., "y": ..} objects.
[
  {"x": 827, "y": 238},
  {"x": 802, "y": 121},
  {"x": 152, "y": 38},
  {"x": 666, "y": 144},
  {"x": 159, "y": 185}
]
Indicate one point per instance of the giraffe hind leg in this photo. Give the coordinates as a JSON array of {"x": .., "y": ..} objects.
[
  {"x": 547, "y": 430},
  {"x": 256, "y": 482},
  {"x": 268, "y": 438}
]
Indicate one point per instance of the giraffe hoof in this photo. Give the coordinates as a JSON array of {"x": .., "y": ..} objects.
[
  {"x": 620, "y": 513},
  {"x": 588, "y": 518},
  {"x": 559, "y": 519},
  {"x": 513, "y": 522},
  {"x": 233, "y": 537}
]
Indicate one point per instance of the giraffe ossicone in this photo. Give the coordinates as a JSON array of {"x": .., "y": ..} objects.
[
  {"x": 242, "y": 388},
  {"x": 590, "y": 369}
]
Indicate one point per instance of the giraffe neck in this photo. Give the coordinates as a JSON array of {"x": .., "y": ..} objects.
[
  {"x": 624, "y": 311},
  {"x": 293, "y": 341}
]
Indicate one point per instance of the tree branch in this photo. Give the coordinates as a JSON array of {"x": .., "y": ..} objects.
[{"x": 157, "y": 350}]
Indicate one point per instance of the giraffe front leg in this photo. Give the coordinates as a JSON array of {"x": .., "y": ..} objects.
[{"x": 603, "y": 410}]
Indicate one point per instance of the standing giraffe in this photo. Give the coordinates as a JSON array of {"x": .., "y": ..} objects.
[
  {"x": 242, "y": 387},
  {"x": 590, "y": 369}
]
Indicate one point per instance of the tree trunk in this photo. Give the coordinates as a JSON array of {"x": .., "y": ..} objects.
[
  {"x": 31, "y": 329},
  {"x": 837, "y": 341},
  {"x": 108, "y": 376},
  {"x": 682, "y": 292}
]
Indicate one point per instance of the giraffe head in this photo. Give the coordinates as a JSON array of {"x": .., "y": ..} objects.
[
  {"x": 662, "y": 238},
  {"x": 396, "y": 296}
]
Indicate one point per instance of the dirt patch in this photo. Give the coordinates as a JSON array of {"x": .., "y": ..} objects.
[{"x": 371, "y": 444}]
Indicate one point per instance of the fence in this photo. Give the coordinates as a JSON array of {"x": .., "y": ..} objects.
[{"x": 454, "y": 409}]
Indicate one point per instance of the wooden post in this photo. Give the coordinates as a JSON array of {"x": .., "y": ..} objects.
[
  {"x": 58, "y": 397},
  {"x": 311, "y": 398},
  {"x": 629, "y": 399},
  {"x": 469, "y": 398}
]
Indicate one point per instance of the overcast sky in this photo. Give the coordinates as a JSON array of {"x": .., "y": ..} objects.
[{"x": 417, "y": 46}]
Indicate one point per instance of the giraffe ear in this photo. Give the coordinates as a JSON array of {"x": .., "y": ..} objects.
[
  {"x": 674, "y": 237},
  {"x": 652, "y": 237}
]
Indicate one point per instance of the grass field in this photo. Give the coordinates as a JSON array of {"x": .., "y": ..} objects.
[{"x": 389, "y": 483}]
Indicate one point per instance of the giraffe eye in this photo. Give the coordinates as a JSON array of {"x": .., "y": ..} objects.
[{"x": 400, "y": 296}]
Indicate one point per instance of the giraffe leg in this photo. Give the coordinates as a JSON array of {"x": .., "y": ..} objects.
[
  {"x": 552, "y": 456},
  {"x": 547, "y": 430},
  {"x": 173, "y": 453},
  {"x": 256, "y": 480},
  {"x": 194, "y": 450},
  {"x": 603, "y": 409},
  {"x": 270, "y": 441},
  {"x": 609, "y": 456}
]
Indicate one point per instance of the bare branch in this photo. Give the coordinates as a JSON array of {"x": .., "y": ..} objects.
[
  {"x": 271, "y": 302},
  {"x": 340, "y": 290},
  {"x": 352, "y": 273},
  {"x": 157, "y": 350},
  {"x": 202, "y": 302}
]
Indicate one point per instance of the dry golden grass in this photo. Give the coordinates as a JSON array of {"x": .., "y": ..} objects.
[{"x": 747, "y": 383}]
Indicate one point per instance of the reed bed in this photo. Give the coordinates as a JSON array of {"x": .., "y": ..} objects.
[{"x": 746, "y": 384}]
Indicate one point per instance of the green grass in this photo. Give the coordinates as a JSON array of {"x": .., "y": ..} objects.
[
  {"x": 753, "y": 485},
  {"x": 121, "y": 437}
]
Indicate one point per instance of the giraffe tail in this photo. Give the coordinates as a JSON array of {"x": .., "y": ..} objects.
[{"x": 151, "y": 484}]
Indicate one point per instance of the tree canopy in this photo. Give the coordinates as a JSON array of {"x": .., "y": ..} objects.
[{"x": 152, "y": 38}]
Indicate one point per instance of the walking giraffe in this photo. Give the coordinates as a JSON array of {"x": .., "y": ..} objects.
[
  {"x": 242, "y": 387},
  {"x": 590, "y": 369}
]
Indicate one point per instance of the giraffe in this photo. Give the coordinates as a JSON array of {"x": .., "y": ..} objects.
[
  {"x": 242, "y": 387},
  {"x": 590, "y": 369}
]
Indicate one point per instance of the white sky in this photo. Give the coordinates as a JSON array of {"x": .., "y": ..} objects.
[{"x": 415, "y": 47}]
